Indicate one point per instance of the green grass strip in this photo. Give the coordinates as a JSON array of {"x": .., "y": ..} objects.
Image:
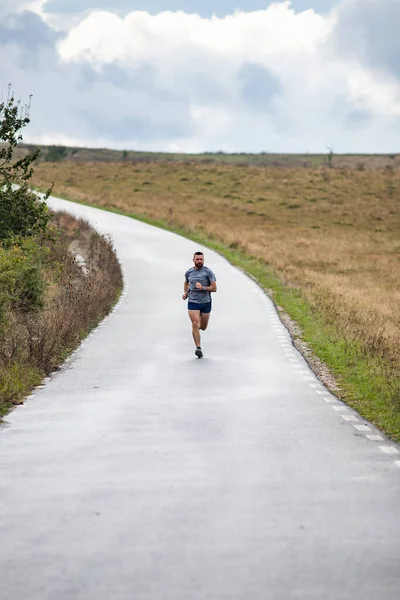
[{"x": 16, "y": 380}]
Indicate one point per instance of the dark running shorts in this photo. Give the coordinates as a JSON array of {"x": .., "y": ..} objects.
[{"x": 203, "y": 308}]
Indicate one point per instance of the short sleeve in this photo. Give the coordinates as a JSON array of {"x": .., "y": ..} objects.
[
  {"x": 211, "y": 276},
  {"x": 187, "y": 276}
]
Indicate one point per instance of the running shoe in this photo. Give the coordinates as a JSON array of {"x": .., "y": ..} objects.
[{"x": 199, "y": 353}]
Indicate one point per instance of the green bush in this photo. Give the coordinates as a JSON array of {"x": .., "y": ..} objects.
[
  {"x": 56, "y": 153},
  {"x": 22, "y": 284},
  {"x": 21, "y": 212}
]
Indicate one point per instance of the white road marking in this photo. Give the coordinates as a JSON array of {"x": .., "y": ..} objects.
[
  {"x": 389, "y": 449},
  {"x": 349, "y": 417},
  {"x": 320, "y": 392},
  {"x": 340, "y": 408},
  {"x": 375, "y": 438},
  {"x": 363, "y": 428},
  {"x": 397, "y": 462}
]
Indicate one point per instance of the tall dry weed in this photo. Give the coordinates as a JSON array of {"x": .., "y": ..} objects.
[{"x": 76, "y": 300}]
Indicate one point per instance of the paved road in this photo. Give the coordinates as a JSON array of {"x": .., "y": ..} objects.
[{"x": 142, "y": 473}]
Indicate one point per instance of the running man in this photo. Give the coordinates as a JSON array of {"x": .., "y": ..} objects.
[{"x": 199, "y": 283}]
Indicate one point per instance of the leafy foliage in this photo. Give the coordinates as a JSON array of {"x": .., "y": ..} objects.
[
  {"x": 21, "y": 282},
  {"x": 22, "y": 213}
]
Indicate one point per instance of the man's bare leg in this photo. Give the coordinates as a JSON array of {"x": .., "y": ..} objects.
[
  {"x": 194, "y": 316},
  {"x": 204, "y": 318}
]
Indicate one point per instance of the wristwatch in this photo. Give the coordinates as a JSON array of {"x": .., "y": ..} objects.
[{"x": 204, "y": 288}]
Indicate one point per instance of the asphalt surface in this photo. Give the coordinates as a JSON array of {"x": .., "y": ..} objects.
[{"x": 142, "y": 473}]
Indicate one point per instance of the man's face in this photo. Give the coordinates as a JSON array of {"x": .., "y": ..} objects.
[{"x": 198, "y": 261}]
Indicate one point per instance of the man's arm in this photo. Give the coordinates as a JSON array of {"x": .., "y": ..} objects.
[
  {"x": 211, "y": 288},
  {"x": 213, "y": 282},
  {"x": 185, "y": 290}
]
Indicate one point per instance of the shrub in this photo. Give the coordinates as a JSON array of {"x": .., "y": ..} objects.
[
  {"x": 22, "y": 284},
  {"x": 21, "y": 212},
  {"x": 56, "y": 153}
]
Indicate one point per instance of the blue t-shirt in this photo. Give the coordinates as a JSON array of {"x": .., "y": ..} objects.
[{"x": 205, "y": 276}]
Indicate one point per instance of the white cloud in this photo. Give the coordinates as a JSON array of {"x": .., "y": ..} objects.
[
  {"x": 174, "y": 80},
  {"x": 276, "y": 32},
  {"x": 10, "y": 6}
]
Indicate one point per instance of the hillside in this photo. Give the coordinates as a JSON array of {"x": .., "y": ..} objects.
[
  {"x": 353, "y": 161},
  {"x": 330, "y": 234}
]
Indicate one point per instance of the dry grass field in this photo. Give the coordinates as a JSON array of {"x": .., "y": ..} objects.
[
  {"x": 335, "y": 232},
  {"x": 332, "y": 233},
  {"x": 360, "y": 162}
]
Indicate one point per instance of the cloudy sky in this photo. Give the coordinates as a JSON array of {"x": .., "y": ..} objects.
[{"x": 196, "y": 75}]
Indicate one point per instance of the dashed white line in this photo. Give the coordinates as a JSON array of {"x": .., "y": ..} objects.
[
  {"x": 389, "y": 449},
  {"x": 349, "y": 417},
  {"x": 363, "y": 428},
  {"x": 340, "y": 408},
  {"x": 375, "y": 438}
]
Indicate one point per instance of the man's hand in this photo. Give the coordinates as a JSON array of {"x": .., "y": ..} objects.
[
  {"x": 198, "y": 285},
  {"x": 185, "y": 296}
]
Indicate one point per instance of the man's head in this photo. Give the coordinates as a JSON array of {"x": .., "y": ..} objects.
[{"x": 198, "y": 260}]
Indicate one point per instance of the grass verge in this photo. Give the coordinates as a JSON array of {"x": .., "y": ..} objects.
[{"x": 364, "y": 380}]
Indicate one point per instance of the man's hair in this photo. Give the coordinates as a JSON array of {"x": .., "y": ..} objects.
[{"x": 198, "y": 254}]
